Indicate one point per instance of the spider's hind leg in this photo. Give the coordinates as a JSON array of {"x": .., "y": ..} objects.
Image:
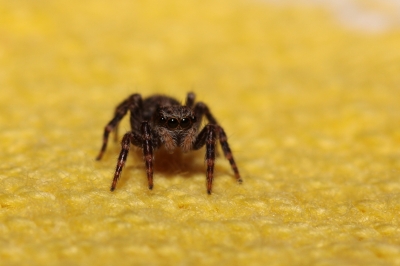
[{"x": 190, "y": 98}]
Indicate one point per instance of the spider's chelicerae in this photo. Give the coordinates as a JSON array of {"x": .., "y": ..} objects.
[{"x": 160, "y": 120}]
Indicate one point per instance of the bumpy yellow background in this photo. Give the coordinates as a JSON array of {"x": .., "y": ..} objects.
[{"x": 311, "y": 110}]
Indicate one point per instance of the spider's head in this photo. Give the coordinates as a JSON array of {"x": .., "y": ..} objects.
[{"x": 176, "y": 126}]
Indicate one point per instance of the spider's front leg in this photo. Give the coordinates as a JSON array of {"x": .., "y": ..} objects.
[
  {"x": 201, "y": 110},
  {"x": 143, "y": 141},
  {"x": 147, "y": 147},
  {"x": 208, "y": 137},
  {"x": 125, "y": 145}
]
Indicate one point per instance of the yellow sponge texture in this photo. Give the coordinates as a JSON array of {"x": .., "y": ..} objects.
[{"x": 311, "y": 110}]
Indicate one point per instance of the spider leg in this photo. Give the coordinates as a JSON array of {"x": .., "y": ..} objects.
[
  {"x": 190, "y": 99},
  {"x": 128, "y": 138},
  {"x": 147, "y": 146},
  {"x": 223, "y": 140},
  {"x": 134, "y": 102},
  {"x": 208, "y": 136},
  {"x": 125, "y": 144},
  {"x": 118, "y": 112},
  {"x": 201, "y": 109}
]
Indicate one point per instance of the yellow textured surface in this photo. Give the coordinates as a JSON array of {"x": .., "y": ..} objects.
[{"x": 311, "y": 110}]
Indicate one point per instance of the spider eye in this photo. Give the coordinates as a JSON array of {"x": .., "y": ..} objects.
[
  {"x": 172, "y": 123},
  {"x": 185, "y": 123},
  {"x": 162, "y": 120}
]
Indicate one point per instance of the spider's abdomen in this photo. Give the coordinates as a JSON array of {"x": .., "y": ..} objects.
[{"x": 151, "y": 104}]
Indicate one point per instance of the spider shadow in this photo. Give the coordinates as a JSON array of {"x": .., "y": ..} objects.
[{"x": 171, "y": 164}]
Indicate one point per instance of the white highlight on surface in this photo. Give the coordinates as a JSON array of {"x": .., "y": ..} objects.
[{"x": 366, "y": 15}]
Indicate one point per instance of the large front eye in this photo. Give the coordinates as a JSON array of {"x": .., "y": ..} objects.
[
  {"x": 172, "y": 123},
  {"x": 185, "y": 123}
]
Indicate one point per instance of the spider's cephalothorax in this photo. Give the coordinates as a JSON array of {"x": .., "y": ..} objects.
[{"x": 161, "y": 120}]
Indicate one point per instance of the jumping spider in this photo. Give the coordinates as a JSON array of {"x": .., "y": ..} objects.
[{"x": 160, "y": 120}]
